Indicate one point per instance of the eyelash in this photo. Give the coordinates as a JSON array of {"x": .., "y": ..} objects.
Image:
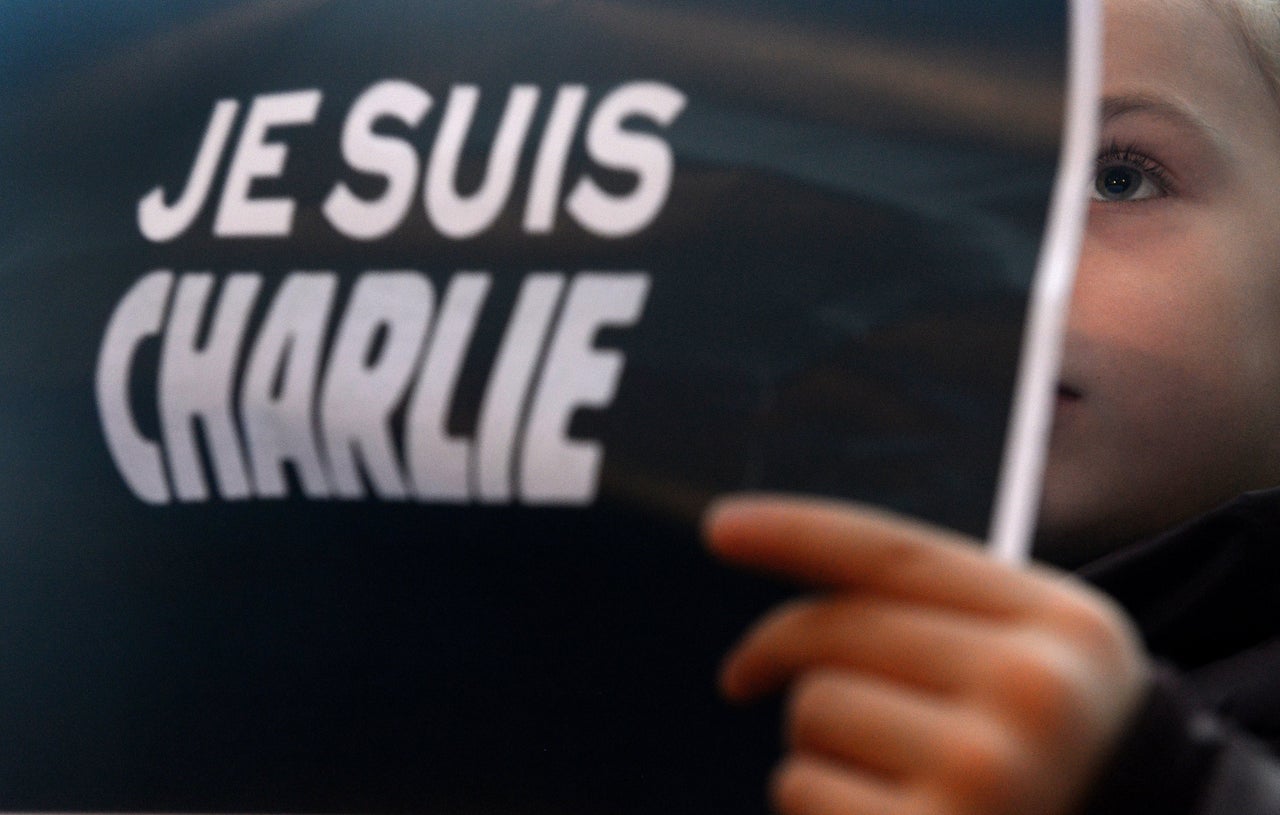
[{"x": 1131, "y": 155}]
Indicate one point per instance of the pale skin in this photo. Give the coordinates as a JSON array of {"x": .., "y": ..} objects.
[
  {"x": 927, "y": 679},
  {"x": 1168, "y": 406}
]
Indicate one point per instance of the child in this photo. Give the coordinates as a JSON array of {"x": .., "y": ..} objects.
[
  {"x": 1172, "y": 367},
  {"x": 934, "y": 680}
]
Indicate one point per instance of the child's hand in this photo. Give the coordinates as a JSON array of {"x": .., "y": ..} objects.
[{"x": 930, "y": 679}]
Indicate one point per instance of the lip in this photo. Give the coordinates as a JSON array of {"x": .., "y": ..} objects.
[{"x": 1068, "y": 394}]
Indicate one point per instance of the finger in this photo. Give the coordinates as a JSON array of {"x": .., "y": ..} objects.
[
  {"x": 808, "y": 785},
  {"x": 838, "y": 545},
  {"x": 878, "y": 727},
  {"x": 917, "y": 645}
]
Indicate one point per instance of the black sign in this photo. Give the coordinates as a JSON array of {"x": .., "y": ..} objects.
[{"x": 365, "y": 366}]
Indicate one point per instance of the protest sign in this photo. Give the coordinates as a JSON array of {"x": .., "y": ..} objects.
[{"x": 366, "y": 366}]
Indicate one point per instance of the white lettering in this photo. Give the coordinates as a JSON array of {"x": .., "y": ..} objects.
[
  {"x": 255, "y": 157},
  {"x": 553, "y": 152},
  {"x": 389, "y": 157},
  {"x": 649, "y": 157},
  {"x": 278, "y": 392},
  {"x": 140, "y": 314},
  {"x": 370, "y": 369},
  {"x": 508, "y": 389},
  {"x": 553, "y": 468},
  {"x": 196, "y": 383},
  {"x": 158, "y": 222},
  {"x": 438, "y": 461},
  {"x": 377, "y": 411},
  {"x": 620, "y": 137},
  {"x": 458, "y": 216}
]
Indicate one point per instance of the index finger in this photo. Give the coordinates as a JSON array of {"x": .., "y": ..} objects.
[{"x": 850, "y": 547}]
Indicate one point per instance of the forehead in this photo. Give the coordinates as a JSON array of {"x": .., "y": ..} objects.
[{"x": 1187, "y": 53}]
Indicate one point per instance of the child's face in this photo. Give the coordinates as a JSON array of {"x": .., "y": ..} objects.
[{"x": 1170, "y": 398}]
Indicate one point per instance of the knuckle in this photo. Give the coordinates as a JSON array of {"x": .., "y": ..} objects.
[
  {"x": 782, "y": 630},
  {"x": 806, "y": 617},
  {"x": 808, "y": 709},
  {"x": 982, "y": 769},
  {"x": 897, "y": 559},
  {"x": 1093, "y": 624},
  {"x": 1037, "y": 687},
  {"x": 790, "y": 614},
  {"x": 791, "y": 788},
  {"x": 815, "y": 626},
  {"x": 1097, "y": 628}
]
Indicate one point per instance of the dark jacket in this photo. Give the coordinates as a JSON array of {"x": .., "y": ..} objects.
[{"x": 1206, "y": 597}]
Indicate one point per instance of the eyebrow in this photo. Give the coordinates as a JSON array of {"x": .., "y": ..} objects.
[{"x": 1116, "y": 106}]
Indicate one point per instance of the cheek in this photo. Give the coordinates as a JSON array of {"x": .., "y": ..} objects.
[
  {"x": 1175, "y": 345},
  {"x": 1235, "y": 346},
  {"x": 1157, "y": 318}
]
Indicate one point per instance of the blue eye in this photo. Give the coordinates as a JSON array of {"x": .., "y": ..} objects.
[
  {"x": 1124, "y": 176},
  {"x": 1122, "y": 183},
  {"x": 1118, "y": 182}
]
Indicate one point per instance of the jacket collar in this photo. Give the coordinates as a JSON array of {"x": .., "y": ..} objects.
[{"x": 1207, "y": 589}]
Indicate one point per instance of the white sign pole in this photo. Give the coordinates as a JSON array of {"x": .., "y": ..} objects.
[{"x": 1022, "y": 471}]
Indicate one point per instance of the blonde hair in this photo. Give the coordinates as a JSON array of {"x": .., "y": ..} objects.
[{"x": 1257, "y": 23}]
